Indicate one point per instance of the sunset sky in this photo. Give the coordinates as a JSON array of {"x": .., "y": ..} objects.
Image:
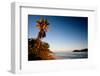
[{"x": 65, "y": 33}]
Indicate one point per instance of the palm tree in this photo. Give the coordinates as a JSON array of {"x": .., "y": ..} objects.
[{"x": 42, "y": 24}]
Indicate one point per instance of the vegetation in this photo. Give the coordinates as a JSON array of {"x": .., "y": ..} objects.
[{"x": 41, "y": 53}]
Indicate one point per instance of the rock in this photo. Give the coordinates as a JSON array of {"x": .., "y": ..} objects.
[{"x": 39, "y": 50}]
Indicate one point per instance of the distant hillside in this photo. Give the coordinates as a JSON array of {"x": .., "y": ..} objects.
[{"x": 82, "y": 50}]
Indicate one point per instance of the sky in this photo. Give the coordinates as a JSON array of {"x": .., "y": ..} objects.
[{"x": 65, "y": 33}]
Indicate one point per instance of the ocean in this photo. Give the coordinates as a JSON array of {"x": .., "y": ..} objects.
[{"x": 71, "y": 55}]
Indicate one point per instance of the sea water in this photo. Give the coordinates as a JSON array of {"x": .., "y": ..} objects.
[{"x": 71, "y": 55}]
